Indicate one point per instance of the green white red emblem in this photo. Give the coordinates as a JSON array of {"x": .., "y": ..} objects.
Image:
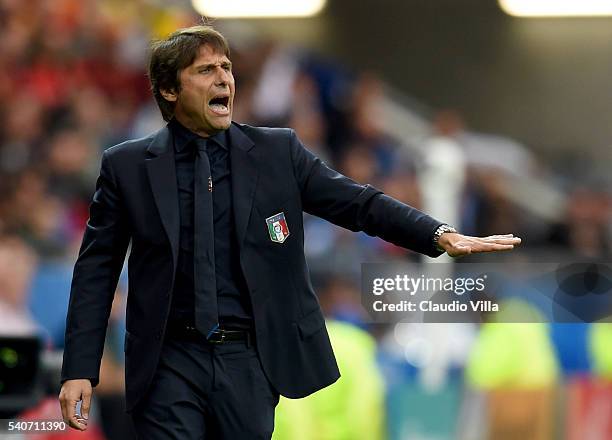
[{"x": 277, "y": 227}]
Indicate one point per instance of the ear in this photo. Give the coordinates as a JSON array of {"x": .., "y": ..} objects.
[{"x": 169, "y": 95}]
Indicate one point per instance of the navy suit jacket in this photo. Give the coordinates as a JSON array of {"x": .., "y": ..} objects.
[{"x": 136, "y": 202}]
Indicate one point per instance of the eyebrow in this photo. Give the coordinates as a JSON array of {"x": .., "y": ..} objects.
[{"x": 222, "y": 63}]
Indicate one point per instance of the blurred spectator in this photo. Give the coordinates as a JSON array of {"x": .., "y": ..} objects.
[
  {"x": 515, "y": 365},
  {"x": 22, "y": 133},
  {"x": 600, "y": 341},
  {"x": 351, "y": 409},
  {"x": 273, "y": 95},
  {"x": 17, "y": 264},
  {"x": 585, "y": 228},
  {"x": 485, "y": 151},
  {"x": 366, "y": 125}
]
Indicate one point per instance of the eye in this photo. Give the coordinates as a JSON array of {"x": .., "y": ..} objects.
[{"x": 205, "y": 70}]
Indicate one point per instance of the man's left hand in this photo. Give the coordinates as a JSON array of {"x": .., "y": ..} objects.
[{"x": 458, "y": 245}]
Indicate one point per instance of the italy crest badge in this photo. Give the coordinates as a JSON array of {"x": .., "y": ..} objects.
[{"x": 277, "y": 227}]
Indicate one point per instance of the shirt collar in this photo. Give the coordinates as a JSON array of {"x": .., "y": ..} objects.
[{"x": 183, "y": 136}]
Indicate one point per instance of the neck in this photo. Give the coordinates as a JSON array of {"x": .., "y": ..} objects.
[{"x": 191, "y": 125}]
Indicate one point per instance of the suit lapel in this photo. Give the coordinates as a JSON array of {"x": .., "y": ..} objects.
[
  {"x": 244, "y": 169},
  {"x": 162, "y": 178}
]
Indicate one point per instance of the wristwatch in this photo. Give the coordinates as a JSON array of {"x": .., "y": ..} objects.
[{"x": 441, "y": 230}]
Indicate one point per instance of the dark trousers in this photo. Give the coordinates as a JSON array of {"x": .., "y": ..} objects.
[{"x": 207, "y": 391}]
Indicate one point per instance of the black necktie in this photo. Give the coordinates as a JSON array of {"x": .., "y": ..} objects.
[{"x": 206, "y": 314}]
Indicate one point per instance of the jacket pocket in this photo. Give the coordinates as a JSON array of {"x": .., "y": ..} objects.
[{"x": 311, "y": 323}]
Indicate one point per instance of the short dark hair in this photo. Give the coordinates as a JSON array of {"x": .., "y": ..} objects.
[{"x": 171, "y": 55}]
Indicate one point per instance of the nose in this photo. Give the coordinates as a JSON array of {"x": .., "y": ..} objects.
[{"x": 223, "y": 77}]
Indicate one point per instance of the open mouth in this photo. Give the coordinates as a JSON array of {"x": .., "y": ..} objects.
[{"x": 220, "y": 104}]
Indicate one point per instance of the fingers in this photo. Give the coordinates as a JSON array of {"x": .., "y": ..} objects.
[
  {"x": 507, "y": 239},
  {"x": 66, "y": 405},
  {"x": 492, "y": 247},
  {"x": 512, "y": 241},
  {"x": 63, "y": 408},
  {"x": 480, "y": 246},
  {"x": 85, "y": 406},
  {"x": 466, "y": 245},
  {"x": 75, "y": 420},
  {"x": 69, "y": 399},
  {"x": 69, "y": 415},
  {"x": 498, "y": 247}
]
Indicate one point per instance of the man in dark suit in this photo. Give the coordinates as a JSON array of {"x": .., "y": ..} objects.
[{"x": 221, "y": 314}]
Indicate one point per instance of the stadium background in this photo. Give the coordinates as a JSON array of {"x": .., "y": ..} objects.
[{"x": 493, "y": 123}]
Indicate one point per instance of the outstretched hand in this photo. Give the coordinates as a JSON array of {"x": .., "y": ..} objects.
[{"x": 458, "y": 245}]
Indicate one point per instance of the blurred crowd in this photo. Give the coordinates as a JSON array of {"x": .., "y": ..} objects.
[{"x": 73, "y": 83}]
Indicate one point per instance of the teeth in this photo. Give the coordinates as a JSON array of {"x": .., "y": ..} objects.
[{"x": 218, "y": 107}]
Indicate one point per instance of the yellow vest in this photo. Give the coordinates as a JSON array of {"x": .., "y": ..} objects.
[{"x": 350, "y": 409}]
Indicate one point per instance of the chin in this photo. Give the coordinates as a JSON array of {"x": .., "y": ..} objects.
[{"x": 224, "y": 125}]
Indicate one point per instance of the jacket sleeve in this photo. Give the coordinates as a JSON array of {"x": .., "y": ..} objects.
[
  {"x": 340, "y": 200},
  {"x": 95, "y": 278}
]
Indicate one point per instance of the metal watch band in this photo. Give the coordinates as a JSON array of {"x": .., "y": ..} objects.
[{"x": 439, "y": 231}]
